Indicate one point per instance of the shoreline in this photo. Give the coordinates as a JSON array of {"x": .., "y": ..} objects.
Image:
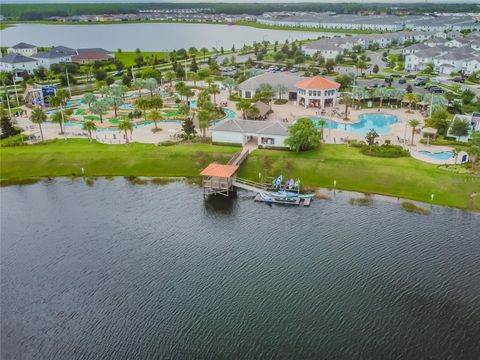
[
  {"x": 240, "y": 23},
  {"x": 327, "y": 194}
]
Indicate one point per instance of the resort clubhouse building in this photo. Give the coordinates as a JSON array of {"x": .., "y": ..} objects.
[
  {"x": 314, "y": 92},
  {"x": 265, "y": 133}
]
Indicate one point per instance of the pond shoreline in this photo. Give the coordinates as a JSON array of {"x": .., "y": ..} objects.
[{"x": 322, "y": 194}]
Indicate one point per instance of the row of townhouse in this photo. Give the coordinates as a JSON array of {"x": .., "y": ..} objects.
[
  {"x": 376, "y": 22},
  {"x": 453, "y": 56},
  {"x": 330, "y": 48},
  {"x": 24, "y": 57}
]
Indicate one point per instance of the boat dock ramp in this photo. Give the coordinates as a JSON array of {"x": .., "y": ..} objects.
[{"x": 222, "y": 179}]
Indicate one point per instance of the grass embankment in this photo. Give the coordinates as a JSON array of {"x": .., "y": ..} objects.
[
  {"x": 295, "y": 28},
  {"x": 399, "y": 177},
  {"x": 4, "y": 26},
  {"x": 67, "y": 157}
]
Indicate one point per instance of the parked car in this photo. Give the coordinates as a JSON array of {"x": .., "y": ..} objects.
[
  {"x": 420, "y": 83},
  {"x": 396, "y": 75},
  {"x": 402, "y": 81},
  {"x": 411, "y": 76},
  {"x": 373, "y": 85},
  {"x": 437, "y": 90},
  {"x": 118, "y": 73},
  {"x": 459, "y": 80}
]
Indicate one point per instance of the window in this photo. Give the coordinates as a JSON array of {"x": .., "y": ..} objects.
[
  {"x": 248, "y": 94},
  {"x": 267, "y": 141}
]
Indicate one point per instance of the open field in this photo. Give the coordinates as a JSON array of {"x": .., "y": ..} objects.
[
  {"x": 400, "y": 177},
  {"x": 128, "y": 58},
  {"x": 67, "y": 157}
]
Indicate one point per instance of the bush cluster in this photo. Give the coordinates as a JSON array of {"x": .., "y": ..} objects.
[{"x": 387, "y": 151}]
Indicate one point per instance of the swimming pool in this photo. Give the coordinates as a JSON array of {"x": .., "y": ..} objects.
[
  {"x": 443, "y": 155},
  {"x": 381, "y": 123}
]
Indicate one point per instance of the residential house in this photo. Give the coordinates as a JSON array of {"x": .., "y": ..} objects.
[
  {"x": 18, "y": 63},
  {"x": 86, "y": 56},
  {"x": 23, "y": 49}
]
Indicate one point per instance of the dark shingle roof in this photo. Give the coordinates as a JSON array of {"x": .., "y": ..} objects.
[
  {"x": 23, "y": 45},
  {"x": 13, "y": 58}
]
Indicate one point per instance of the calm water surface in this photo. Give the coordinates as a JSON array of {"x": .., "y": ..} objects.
[
  {"x": 147, "y": 36},
  {"x": 120, "y": 271}
]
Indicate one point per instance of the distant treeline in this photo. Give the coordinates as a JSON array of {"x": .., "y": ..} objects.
[{"x": 42, "y": 11}]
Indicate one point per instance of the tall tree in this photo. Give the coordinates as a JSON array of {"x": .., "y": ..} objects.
[
  {"x": 138, "y": 84},
  {"x": 413, "y": 123},
  {"x": 155, "y": 116},
  {"x": 89, "y": 126},
  {"x": 151, "y": 85},
  {"x": 303, "y": 135},
  {"x": 214, "y": 90},
  {"x": 144, "y": 105},
  {"x": 39, "y": 117},
  {"x": 126, "y": 126},
  {"x": 100, "y": 108},
  {"x": 89, "y": 99}
]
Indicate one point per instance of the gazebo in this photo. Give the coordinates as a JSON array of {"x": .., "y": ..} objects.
[
  {"x": 217, "y": 178},
  {"x": 317, "y": 92}
]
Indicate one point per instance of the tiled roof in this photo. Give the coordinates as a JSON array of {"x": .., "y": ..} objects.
[
  {"x": 219, "y": 170},
  {"x": 317, "y": 82},
  {"x": 13, "y": 58}
]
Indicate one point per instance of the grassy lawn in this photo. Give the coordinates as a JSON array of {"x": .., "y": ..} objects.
[
  {"x": 66, "y": 158},
  {"x": 128, "y": 58},
  {"x": 402, "y": 177}
]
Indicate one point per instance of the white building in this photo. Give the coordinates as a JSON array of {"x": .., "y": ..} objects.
[
  {"x": 317, "y": 92},
  {"x": 265, "y": 133},
  {"x": 23, "y": 49},
  {"x": 17, "y": 62}
]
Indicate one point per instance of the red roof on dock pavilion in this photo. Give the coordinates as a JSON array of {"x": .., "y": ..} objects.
[
  {"x": 219, "y": 170},
  {"x": 317, "y": 82}
]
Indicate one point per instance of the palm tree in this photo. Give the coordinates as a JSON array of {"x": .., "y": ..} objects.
[
  {"x": 322, "y": 124},
  {"x": 126, "y": 126},
  {"x": 38, "y": 117},
  {"x": 243, "y": 105},
  {"x": 156, "y": 103},
  {"x": 114, "y": 97},
  {"x": 347, "y": 98},
  {"x": 170, "y": 75},
  {"x": 410, "y": 98},
  {"x": 89, "y": 99},
  {"x": 204, "y": 117},
  {"x": 194, "y": 77},
  {"x": 280, "y": 89},
  {"x": 151, "y": 85},
  {"x": 380, "y": 93},
  {"x": 204, "y": 51},
  {"x": 99, "y": 108},
  {"x": 473, "y": 152},
  {"x": 154, "y": 116},
  {"x": 214, "y": 90},
  {"x": 89, "y": 126},
  {"x": 184, "y": 110},
  {"x": 57, "y": 117},
  {"x": 230, "y": 84},
  {"x": 138, "y": 84},
  {"x": 59, "y": 100},
  {"x": 144, "y": 105},
  {"x": 413, "y": 123}
]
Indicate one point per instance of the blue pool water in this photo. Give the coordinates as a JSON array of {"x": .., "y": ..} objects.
[
  {"x": 193, "y": 104},
  {"x": 380, "y": 122},
  {"x": 444, "y": 155},
  {"x": 126, "y": 107}
]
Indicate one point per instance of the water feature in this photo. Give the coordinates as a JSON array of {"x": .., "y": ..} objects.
[
  {"x": 442, "y": 155},
  {"x": 148, "y": 271},
  {"x": 145, "y": 36},
  {"x": 380, "y": 122}
]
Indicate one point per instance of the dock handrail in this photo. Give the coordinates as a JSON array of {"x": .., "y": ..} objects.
[{"x": 250, "y": 183}]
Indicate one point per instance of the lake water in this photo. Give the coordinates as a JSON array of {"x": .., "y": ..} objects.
[
  {"x": 124, "y": 271},
  {"x": 147, "y": 36}
]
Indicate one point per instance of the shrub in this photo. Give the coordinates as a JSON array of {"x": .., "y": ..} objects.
[
  {"x": 280, "y": 101},
  {"x": 411, "y": 207},
  {"x": 387, "y": 151},
  {"x": 356, "y": 144},
  {"x": 167, "y": 143},
  {"x": 360, "y": 201},
  {"x": 17, "y": 140}
]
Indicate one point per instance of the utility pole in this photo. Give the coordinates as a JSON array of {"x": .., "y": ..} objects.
[
  {"x": 68, "y": 82},
  {"x": 15, "y": 87}
]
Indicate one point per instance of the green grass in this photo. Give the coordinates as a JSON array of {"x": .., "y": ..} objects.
[
  {"x": 4, "y": 26},
  {"x": 399, "y": 177},
  {"x": 273, "y": 27},
  {"x": 128, "y": 58},
  {"x": 67, "y": 157}
]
